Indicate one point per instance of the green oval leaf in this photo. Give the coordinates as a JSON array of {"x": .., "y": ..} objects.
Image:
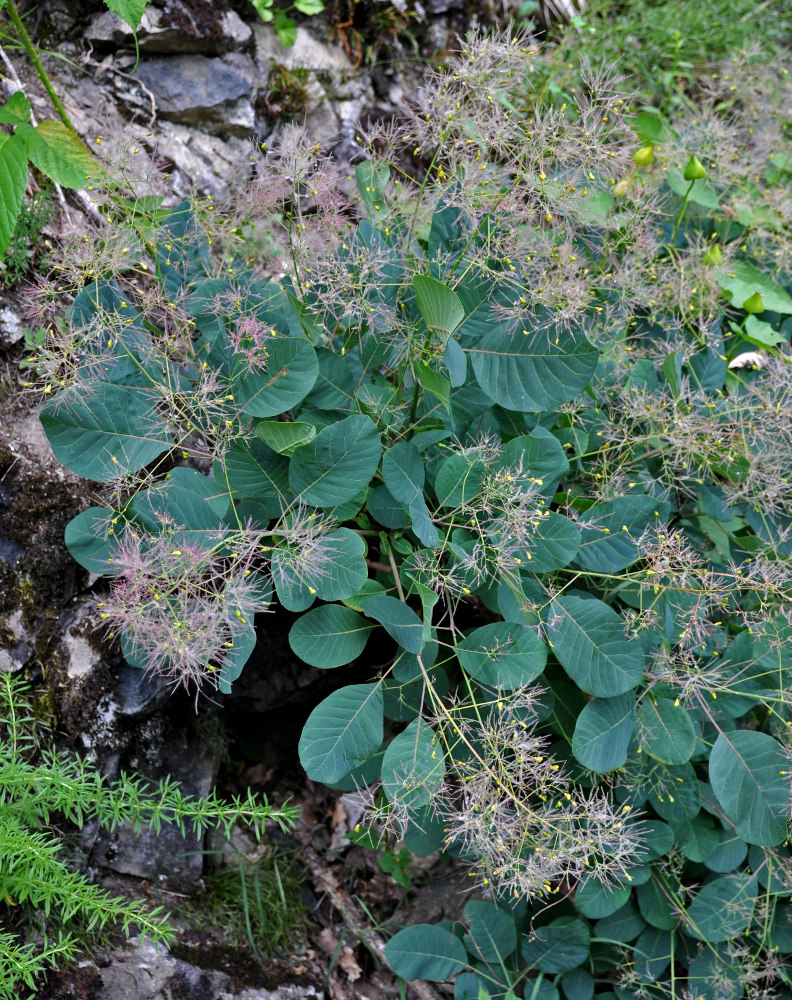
[
  {"x": 748, "y": 771},
  {"x": 329, "y": 636},
  {"x": 503, "y": 655},
  {"x": 610, "y": 531},
  {"x": 398, "y": 619},
  {"x": 424, "y": 951},
  {"x": 439, "y": 304},
  {"x": 338, "y": 463},
  {"x": 106, "y": 434},
  {"x": 291, "y": 371},
  {"x": 588, "y": 639},
  {"x": 493, "y": 934},
  {"x": 342, "y": 732},
  {"x": 722, "y": 909},
  {"x": 536, "y": 371},
  {"x": 666, "y": 730},
  {"x": 413, "y": 768},
  {"x": 603, "y": 732},
  {"x": 557, "y": 947}
]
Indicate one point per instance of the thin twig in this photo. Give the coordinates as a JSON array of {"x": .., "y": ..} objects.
[
  {"x": 355, "y": 920},
  {"x": 396, "y": 578}
]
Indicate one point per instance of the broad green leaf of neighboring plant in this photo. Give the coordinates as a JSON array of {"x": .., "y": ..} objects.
[
  {"x": 58, "y": 153},
  {"x": 130, "y": 11},
  {"x": 309, "y": 7},
  {"x": 13, "y": 181},
  {"x": 722, "y": 909},
  {"x": 342, "y": 732},
  {"x": 413, "y": 768},
  {"x": 493, "y": 934},
  {"x": 559, "y": 946},
  {"x": 329, "y": 636},
  {"x": 742, "y": 281},
  {"x": 291, "y": 371},
  {"x": 588, "y": 639},
  {"x": 536, "y": 370},
  {"x": 603, "y": 732},
  {"x": 110, "y": 432},
  {"x": 16, "y": 110},
  {"x": 748, "y": 771},
  {"x": 666, "y": 730},
  {"x": 502, "y": 655},
  {"x": 285, "y": 29},
  {"x": 424, "y": 951},
  {"x": 339, "y": 462},
  {"x": 398, "y": 619},
  {"x": 439, "y": 304}
]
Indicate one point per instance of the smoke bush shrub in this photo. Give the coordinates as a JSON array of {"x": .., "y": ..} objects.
[{"x": 518, "y": 433}]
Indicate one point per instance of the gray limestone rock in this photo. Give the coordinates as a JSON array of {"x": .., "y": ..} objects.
[
  {"x": 172, "y": 31},
  {"x": 208, "y": 93}
]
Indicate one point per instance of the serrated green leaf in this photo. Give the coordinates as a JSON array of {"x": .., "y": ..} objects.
[
  {"x": 130, "y": 11},
  {"x": 13, "y": 181},
  {"x": 588, "y": 639},
  {"x": 424, "y": 951},
  {"x": 603, "y": 732},
  {"x": 338, "y": 463},
  {"x": 502, "y": 655},
  {"x": 59, "y": 153},
  {"x": 342, "y": 732},
  {"x": 285, "y": 29},
  {"x": 16, "y": 110},
  {"x": 329, "y": 636},
  {"x": 748, "y": 771}
]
